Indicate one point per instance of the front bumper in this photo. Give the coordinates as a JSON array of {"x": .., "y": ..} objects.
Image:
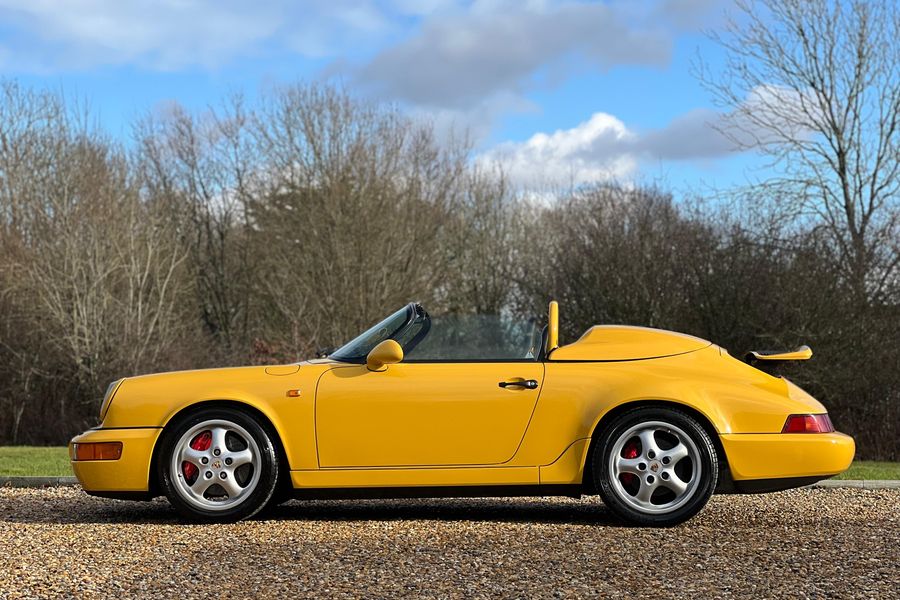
[
  {"x": 131, "y": 473},
  {"x": 804, "y": 457}
]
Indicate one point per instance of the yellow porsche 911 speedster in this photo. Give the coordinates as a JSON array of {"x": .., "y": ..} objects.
[{"x": 652, "y": 421}]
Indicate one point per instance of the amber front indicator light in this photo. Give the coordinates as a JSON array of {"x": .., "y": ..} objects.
[
  {"x": 98, "y": 451},
  {"x": 808, "y": 424}
]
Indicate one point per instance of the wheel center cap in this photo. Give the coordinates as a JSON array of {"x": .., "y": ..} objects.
[
  {"x": 654, "y": 466},
  {"x": 217, "y": 464}
]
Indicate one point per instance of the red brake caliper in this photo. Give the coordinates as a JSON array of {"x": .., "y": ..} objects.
[
  {"x": 201, "y": 442},
  {"x": 629, "y": 451}
]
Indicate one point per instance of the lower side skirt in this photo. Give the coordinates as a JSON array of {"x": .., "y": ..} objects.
[
  {"x": 762, "y": 486},
  {"x": 469, "y": 491}
]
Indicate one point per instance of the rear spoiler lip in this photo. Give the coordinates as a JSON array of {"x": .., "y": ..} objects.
[{"x": 802, "y": 353}]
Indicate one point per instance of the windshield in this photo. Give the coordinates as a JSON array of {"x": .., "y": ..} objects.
[
  {"x": 359, "y": 347},
  {"x": 448, "y": 338}
]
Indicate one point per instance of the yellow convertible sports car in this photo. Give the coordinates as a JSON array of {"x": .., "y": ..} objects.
[{"x": 652, "y": 421}]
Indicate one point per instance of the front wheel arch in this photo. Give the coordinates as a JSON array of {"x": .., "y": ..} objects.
[
  {"x": 155, "y": 486},
  {"x": 587, "y": 479}
]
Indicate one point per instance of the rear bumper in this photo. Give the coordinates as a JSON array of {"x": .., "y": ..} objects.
[
  {"x": 801, "y": 457},
  {"x": 131, "y": 473}
]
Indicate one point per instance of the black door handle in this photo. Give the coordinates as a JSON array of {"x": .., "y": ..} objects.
[{"x": 530, "y": 384}]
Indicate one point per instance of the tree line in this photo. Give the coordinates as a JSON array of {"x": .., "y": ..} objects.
[{"x": 259, "y": 235}]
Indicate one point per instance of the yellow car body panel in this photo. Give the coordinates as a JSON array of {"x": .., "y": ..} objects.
[
  {"x": 553, "y": 327},
  {"x": 413, "y": 477},
  {"x": 619, "y": 342},
  {"x": 131, "y": 473},
  {"x": 424, "y": 424},
  {"x": 801, "y": 353},
  {"x": 568, "y": 468},
  {"x": 415, "y": 415},
  {"x": 775, "y": 455},
  {"x": 153, "y": 400}
]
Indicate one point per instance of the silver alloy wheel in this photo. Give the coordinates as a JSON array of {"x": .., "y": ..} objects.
[
  {"x": 224, "y": 478},
  {"x": 654, "y": 468}
]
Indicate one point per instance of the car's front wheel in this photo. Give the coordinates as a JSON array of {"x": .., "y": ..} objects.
[
  {"x": 655, "y": 466},
  {"x": 217, "y": 464}
]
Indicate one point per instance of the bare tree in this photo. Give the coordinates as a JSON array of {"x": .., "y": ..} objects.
[
  {"x": 613, "y": 254},
  {"x": 815, "y": 85},
  {"x": 102, "y": 269},
  {"x": 90, "y": 273},
  {"x": 485, "y": 231},
  {"x": 357, "y": 199},
  {"x": 198, "y": 167}
]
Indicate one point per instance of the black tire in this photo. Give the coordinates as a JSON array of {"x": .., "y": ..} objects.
[
  {"x": 249, "y": 501},
  {"x": 623, "y": 500},
  {"x": 284, "y": 492}
]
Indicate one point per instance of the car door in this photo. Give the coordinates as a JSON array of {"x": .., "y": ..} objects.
[{"x": 425, "y": 414}]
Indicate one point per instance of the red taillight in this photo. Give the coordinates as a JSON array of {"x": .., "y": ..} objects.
[{"x": 808, "y": 424}]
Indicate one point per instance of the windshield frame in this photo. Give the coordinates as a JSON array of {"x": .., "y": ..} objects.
[{"x": 356, "y": 359}]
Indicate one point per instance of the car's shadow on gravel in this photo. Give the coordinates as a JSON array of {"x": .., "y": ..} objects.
[
  {"x": 449, "y": 510},
  {"x": 52, "y": 507},
  {"x": 69, "y": 508}
]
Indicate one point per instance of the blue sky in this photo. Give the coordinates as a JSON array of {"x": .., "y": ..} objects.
[{"x": 557, "y": 90}]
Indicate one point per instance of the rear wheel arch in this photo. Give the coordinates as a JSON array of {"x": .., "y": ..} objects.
[
  {"x": 587, "y": 480},
  {"x": 248, "y": 409}
]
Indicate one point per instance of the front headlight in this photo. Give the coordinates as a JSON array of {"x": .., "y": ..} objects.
[{"x": 107, "y": 398}]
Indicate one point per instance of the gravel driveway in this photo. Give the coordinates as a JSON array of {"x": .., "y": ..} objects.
[{"x": 61, "y": 542}]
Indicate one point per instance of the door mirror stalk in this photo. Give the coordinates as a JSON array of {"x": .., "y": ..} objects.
[{"x": 386, "y": 353}]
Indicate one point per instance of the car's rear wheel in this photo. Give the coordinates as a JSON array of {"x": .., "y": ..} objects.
[
  {"x": 217, "y": 464},
  {"x": 655, "y": 466}
]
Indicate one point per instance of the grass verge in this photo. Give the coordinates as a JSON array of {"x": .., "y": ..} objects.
[
  {"x": 34, "y": 461},
  {"x": 871, "y": 469},
  {"x": 54, "y": 462}
]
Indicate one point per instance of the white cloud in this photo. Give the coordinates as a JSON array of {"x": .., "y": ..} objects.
[
  {"x": 695, "y": 134},
  {"x": 471, "y": 62},
  {"x": 461, "y": 58},
  {"x": 460, "y": 63},
  {"x": 603, "y": 148},
  {"x": 773, "y": 108},
  {"x": 707, "y": 134},
  {"x": 472, "y": 124},
  {"x": 585, "y": 153},
  {"x": 173, "y": 34}
]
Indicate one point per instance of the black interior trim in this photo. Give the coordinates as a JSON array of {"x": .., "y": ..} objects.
[{"x": 426, "y": 327}]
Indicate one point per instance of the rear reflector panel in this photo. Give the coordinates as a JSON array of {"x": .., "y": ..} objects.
[{"x": 808, "y": 424}]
